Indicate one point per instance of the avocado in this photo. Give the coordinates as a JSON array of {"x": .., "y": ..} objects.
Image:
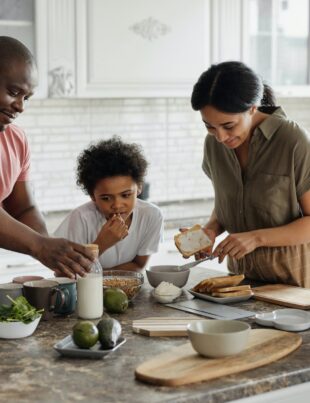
[{"x": 109, "y": 332}]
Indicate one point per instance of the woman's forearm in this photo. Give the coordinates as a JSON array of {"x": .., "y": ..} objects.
[
  {"x": 214, "y": 225},
  {"x": 294, "y": 233}
]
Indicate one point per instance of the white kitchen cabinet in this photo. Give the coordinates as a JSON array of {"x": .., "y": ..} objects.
[
  {"x": 141, "y": 48},
  {"x": 121, "y": 48},
  {"x": 25, "y": 20},
  {"x": 147, "y": 48},
  {"x": 47, "y": 28}
]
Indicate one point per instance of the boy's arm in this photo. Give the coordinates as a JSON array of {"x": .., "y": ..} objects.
[{"x": 137, "y": 264}]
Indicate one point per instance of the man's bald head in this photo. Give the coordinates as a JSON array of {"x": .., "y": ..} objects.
[{"x": 12, "y": 50}]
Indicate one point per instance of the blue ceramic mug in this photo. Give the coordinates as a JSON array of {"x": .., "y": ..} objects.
[{"x": 68, "y": 287}]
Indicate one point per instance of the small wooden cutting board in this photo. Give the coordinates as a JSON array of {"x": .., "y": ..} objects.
[
  {"x": 182, "y": 365},
  {"x": 286, "y": 295},
  {"x": 159, "y": 327}
]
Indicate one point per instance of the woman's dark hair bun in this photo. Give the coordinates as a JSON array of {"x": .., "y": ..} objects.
[{"x": 231, "y": 87}]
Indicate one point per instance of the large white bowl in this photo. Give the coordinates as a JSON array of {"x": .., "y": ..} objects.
[
  {"x": 169, "y": 273},
  {"x": 17, "y": 330},
  {"x": 218, "y": 338}
]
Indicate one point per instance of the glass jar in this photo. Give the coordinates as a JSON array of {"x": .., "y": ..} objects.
[{"x": 90, "y": 289}]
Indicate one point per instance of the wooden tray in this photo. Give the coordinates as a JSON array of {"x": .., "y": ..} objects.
[
  {"x": 182, "y": 365},
  {"x": 286, "y": 295}
]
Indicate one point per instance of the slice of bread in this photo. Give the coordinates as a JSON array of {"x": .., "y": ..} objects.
[
  {"x": 192, "y": 241},
  {"x": 233, "y": 288},
  {"x": 205, "y": 286},
  {"x": 202, "y": 286},
  {"x": 241, "y": 293},
  {"x": 225, "y": 281}
]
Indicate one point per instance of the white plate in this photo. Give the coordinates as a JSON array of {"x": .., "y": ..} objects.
[
  {"x": 265, "y": 319},
  {"x": 220, "y": 300},
  {"x": 292, "y": 320}
]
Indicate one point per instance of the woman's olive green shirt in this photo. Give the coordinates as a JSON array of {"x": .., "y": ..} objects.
[{"x": 264, "y": 195}]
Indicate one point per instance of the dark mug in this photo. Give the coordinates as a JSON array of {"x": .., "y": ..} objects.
[
  {"x": 11, "y": 290},
  {"x": 68, "y": 287},
  {"x": 23, "y": 279},
  {"x": 43, "y": 294}
]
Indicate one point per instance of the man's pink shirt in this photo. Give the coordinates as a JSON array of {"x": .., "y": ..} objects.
[{"x": 14, "y": 159}]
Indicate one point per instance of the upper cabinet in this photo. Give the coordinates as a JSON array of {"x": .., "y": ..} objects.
[
  {"x": 141, "y": 48},
  {"x": 123, "y": 48},
  {"x": 17, "y": 19},
  {"x": 24, "y": 19}
]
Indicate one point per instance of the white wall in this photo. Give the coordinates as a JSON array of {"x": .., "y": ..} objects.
[{"x": 170, "y": 132}]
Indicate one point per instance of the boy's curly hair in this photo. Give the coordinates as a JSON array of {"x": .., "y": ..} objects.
[{"x": 108, "y": 158}]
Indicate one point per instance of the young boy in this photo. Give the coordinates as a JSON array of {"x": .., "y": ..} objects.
[{"x": 127, "y": 229}]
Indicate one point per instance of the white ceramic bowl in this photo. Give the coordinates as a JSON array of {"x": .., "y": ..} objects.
[
  {"x": 218, "y": 338},
  {"x": 17, "y": 330},
  {"x": 169, "y": 273},
  {"x": 292, "y": 320},
  {"x": 165, "y": 299}
]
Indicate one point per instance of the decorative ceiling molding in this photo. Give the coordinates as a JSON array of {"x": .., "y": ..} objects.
[{"x": 150, "y": 29}]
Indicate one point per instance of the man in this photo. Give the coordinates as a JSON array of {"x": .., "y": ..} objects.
[{"x": 22, "y": 228}]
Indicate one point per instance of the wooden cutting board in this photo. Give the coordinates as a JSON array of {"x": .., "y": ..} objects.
[
  {"x": 182, "y": 365},
  {"x": 286, "y": 295},
  {"x": 158, "y": 326}
]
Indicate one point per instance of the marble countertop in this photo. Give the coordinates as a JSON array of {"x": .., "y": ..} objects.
[{"x": 31, "y": 370}]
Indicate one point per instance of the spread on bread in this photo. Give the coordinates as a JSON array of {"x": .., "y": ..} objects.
[
  {"x": 192, "y": 241},
  {"x": 224, "y": 286}
]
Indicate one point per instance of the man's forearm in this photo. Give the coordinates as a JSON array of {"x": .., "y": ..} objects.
[
  {"x": 17, "y": 236},
  {"x": 34, "y": 220}
]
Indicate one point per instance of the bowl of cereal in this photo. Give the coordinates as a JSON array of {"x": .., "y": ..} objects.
[{"x": 128, "y": 281}]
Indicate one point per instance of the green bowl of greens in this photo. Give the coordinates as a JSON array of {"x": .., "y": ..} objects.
[{"x": 18, "y": 320}]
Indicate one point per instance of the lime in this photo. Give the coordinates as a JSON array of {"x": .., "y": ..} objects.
[
  {"x": 85, "y": 334},
  {"x": 115, "y": 300}
]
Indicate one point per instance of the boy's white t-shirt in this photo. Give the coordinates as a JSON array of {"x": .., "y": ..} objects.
[{"x": 84, "y": 223}]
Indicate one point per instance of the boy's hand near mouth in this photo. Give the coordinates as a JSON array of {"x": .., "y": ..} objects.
[{"x": 113, "y": 231}]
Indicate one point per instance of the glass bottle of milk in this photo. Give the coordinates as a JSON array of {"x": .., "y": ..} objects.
[{"x": 90, "y": 289}]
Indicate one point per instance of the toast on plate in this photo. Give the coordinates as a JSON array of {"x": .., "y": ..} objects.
[
  {"x": 233, "y": 294},
  {"x": 223, "y": 285},
  {"x": 232, "y": 288}
]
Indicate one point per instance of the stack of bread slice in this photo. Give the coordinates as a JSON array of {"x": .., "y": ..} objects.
[{"x": 224, "y": 286}]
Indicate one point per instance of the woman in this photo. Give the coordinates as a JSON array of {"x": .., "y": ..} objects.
[{"x": 259, "y": 164}]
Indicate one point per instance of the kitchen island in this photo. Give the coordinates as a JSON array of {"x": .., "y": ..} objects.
[{"x": 31, "y": 370}]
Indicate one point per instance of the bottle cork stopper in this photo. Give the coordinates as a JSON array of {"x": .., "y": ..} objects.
[{"x": 93, "y": 247}]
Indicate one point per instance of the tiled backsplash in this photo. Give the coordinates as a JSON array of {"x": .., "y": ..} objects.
[{"x": 170, "y": 132}]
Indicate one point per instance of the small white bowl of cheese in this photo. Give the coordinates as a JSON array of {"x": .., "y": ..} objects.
[{"x": 166, "y": 293}]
